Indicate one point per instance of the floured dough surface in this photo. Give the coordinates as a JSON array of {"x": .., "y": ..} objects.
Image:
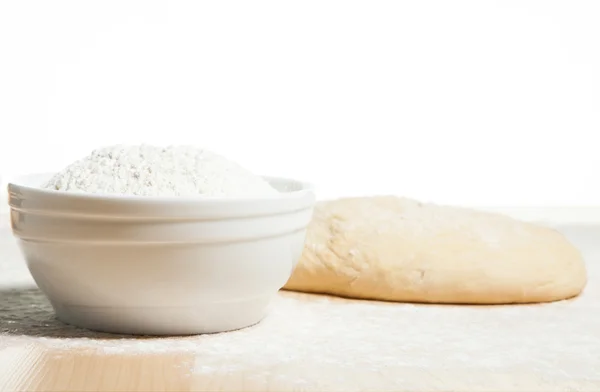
[{"x": 397, "y": 249}]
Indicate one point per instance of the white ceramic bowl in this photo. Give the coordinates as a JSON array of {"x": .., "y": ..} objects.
[{"x": 159, "y": 266}]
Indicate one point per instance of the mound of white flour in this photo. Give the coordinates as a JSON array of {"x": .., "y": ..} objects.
[{"x": 146, "y": 170}]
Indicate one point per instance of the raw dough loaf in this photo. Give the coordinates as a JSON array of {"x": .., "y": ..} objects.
[{"x": 397, "y": 249}]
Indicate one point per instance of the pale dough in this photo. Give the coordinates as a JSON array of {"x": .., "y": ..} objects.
[{"x": 397, "y": 249}]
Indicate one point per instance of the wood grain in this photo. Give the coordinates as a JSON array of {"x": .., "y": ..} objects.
[{"x": 34, "y": 370}]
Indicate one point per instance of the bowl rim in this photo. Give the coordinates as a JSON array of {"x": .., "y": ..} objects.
[{"x": 16, "y": 184}]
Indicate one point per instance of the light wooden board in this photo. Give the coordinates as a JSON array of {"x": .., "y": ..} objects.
[{"x": 314, "y": 343}]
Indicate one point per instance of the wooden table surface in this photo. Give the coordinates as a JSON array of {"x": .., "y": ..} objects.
[{"x": 314, "y": 343}]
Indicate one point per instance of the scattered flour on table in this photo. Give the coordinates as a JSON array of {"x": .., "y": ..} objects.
[
  {"x": 304, "y": 331},
  {"x": 146, "y": 170}
]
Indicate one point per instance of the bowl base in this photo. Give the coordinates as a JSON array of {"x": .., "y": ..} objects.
[{"x": 172, "y": 321}]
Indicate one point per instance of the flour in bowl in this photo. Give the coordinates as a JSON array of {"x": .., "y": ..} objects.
[{"x": 145, "y": 170}]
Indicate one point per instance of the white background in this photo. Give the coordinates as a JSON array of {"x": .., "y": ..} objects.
[{"x": 462, "y": 102}]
